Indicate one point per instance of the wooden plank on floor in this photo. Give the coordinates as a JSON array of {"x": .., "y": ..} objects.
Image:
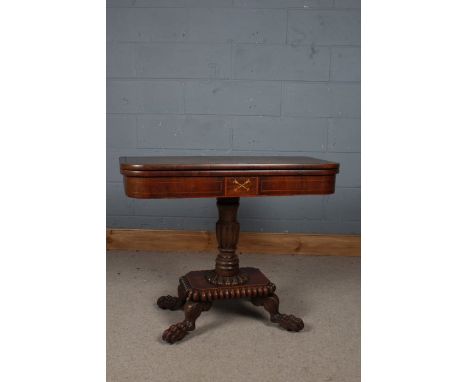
[{"x": 249, "y": 242}]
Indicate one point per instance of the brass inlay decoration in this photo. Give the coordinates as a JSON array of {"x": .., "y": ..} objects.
[{"x": 239, "y": 186}]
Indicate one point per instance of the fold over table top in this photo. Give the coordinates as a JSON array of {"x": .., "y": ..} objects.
[
  {"x": 226, "y": 176},
  {"x": 167, "y": 163}
]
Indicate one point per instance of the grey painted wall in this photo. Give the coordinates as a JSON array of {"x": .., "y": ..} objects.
[{"x": 235, "y": 77}]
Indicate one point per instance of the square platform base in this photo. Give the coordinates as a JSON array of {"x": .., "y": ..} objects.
[{"x": 196, "y": 287}]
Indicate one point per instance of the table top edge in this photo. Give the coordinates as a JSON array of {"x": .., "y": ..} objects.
[{"x": 187, "y": 163}]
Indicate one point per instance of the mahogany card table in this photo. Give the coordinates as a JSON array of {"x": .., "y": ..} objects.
[{"x": 226, "y": 178}]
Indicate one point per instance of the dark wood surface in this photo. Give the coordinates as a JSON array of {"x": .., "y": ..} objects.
[
  {"x": 204, "y": 177},
  {"x": 164, "y": 163},
  {"x": 227, "y": 179}
]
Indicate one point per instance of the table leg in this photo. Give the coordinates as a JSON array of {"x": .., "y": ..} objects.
[
  {"x": 271, "y": 304},
  {"x": 192, "y": 311}
]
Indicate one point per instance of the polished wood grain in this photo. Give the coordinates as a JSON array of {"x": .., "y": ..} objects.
[
  {"x": 214, "y": 186},
  {"x": 227, "y": 179},
  {"x": 160, "y": 163},
  {"x": 173, "y": 187},
  {"x": 204, "y": 177}
]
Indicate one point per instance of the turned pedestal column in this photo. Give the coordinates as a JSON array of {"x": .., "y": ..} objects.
[{"x": 227, "y": 271}]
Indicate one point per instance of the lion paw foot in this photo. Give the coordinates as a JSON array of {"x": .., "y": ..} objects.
[
  {"x": 290, "y": 322},
  {"x": 169, "y": 302},
  {"x": 175, "y": 333}
]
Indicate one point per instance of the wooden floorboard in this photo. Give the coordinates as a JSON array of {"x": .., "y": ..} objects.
[{"x": 249, "y": 242}]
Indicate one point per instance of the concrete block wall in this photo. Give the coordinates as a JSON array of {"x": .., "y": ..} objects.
[{"x": 235, "y": 77}]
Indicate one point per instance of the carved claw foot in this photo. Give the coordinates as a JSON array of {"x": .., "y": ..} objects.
[
  {"x": 175, "y": 332},
  {"x": 289, "y": 322},
  {"x": 169, "y": 302},
  {"x": 178, "y": 331},
  {"x": 271, "y": 304}
]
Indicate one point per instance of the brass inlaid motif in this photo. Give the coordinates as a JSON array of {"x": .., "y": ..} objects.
[{"x": 242, "y": 186}]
